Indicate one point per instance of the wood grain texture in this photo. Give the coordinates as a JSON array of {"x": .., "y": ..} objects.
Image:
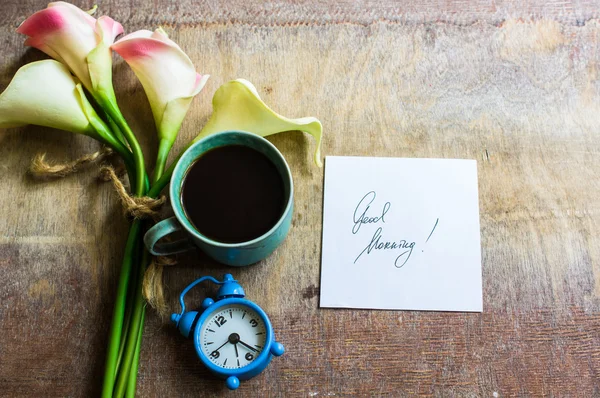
[{"x": 515, "y": 87}]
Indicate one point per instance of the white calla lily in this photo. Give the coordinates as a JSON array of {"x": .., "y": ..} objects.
[{"x": 44, "y": 93}]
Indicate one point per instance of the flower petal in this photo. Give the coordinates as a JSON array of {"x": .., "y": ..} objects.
[
  {"x": 200, "y": 83},
  {"x": 44, "y": 22},
  {"x": 237, "y": 106},
  {"x": 76, "y": 10},
  {"x": 37, "y": 42},
  {"x": 108, "y": 29},
  {"x": 167, "y": 75},
  {"x": 68, "y": 34},
  {"x": 43, "y": 93},
  {"x": 143, "y": 33},
  {"x": 160, "y": 34}
]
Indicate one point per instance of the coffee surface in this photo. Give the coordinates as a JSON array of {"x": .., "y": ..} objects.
[{"x": 233, "y": 194}]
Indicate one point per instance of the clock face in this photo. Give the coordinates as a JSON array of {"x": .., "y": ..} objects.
[{"x": 233, "y": 336}]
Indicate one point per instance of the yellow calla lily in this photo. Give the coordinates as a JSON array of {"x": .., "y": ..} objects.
[{"x": 237, "y": 106}]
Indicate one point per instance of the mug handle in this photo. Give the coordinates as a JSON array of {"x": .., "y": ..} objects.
[{"x": 159, "y": 231}]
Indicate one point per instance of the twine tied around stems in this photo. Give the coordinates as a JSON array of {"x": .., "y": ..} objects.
[
  {"x": 40, "y": 168},
  {"x": 136, "y": 207},
  {"x": 145, "y": 207}
]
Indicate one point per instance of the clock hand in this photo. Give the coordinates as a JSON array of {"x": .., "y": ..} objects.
[
  {"x": 247, "y": 346},
  {"x": 237, "y": 355},
  {"x": 222, "y": 345}
]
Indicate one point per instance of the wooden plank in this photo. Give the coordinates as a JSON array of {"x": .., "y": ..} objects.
[
  {"x": 289, "y": 12},
  {"x": 449, "y": 80}
]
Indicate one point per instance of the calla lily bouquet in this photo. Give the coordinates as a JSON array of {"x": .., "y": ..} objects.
[{"x": 74, "y": 92}]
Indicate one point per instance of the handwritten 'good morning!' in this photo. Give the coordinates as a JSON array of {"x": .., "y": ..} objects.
[{"x": 363, "y": 214}]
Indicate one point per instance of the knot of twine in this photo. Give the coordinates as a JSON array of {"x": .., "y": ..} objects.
[
  {"x": 136, "y": 207},
  {"x": 40, "y": 168}
]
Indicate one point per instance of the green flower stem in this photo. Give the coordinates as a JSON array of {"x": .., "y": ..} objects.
[
  {"x": 128, "y": 311},
  {"x": 129, "y": 376},
  {"x": 126, "y": 370},
  {"x": 127, "y": 157},
  {"x": 114, "y": 128},
  {"x": 139, "y": 182},
  {"x": 107, "y": 136},
  {"x": 124, "y": 331},
  {"x": 125, "y": 154},
  {"x": 114, "y": 113},
  {"x": 124, "y": 381},
  {"x": 126, "y": 361},
  {"x": 164, "y": 146},
  {"x": 123, "y": 349},
  {"x": 119, "y": 310},
  {"x": 164, "y": 179},
  {"x": 105, "y": 117},
  {"x": 132, "y": 380},
  {"x": 161, "y": 181}
]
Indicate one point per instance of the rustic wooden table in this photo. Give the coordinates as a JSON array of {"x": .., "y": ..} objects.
[{"x": 515, "y": 87}]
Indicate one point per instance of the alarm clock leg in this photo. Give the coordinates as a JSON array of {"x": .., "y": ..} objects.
[
  {"x": 277, "y": 349},
  {"x": 232, "y": 382}
]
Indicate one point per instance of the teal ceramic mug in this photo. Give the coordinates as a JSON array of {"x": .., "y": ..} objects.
[{"x": 236, "y": 254}]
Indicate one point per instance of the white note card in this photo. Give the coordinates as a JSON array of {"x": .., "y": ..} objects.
[{"x": 401, "y": 234}]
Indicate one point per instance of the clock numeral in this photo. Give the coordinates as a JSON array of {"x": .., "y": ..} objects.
[
  {"x": 215, "y": 354},
  {"x": 249, "y": 357},
  {"x": 220, "y": 320},
  {"x": 253, "y": 323}
]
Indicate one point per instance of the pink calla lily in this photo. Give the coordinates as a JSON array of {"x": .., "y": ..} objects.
[
  {"x": 167, "y": 75},
  {"x": 70, "y": 35}
]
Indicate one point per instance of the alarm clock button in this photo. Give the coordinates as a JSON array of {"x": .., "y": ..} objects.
[{"x": 207, "y": 303}]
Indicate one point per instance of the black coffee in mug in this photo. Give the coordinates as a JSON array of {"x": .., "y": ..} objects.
[{"x": 233, "y": 194}]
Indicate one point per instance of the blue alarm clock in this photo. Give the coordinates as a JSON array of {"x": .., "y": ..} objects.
[{"x": 232, "y": 336}]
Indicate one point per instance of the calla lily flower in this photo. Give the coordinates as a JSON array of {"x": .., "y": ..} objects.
[
  {"x": 237, "y": 106},
  {"x": 75, "y": 38},
  {"x": 44, "y": 93},
  {"x": 167, "y": 75}
]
